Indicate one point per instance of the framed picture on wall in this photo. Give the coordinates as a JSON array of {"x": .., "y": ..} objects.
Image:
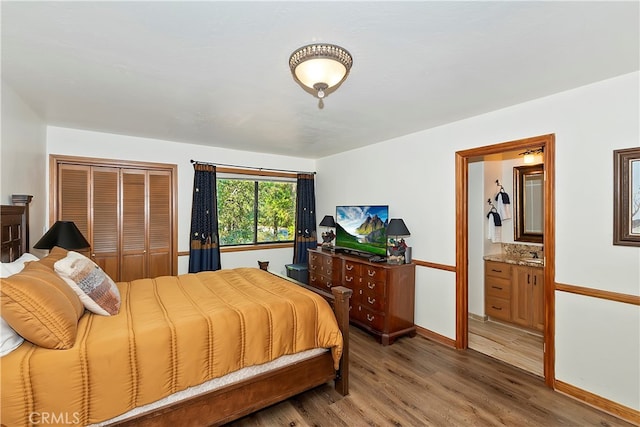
[{"x": 626, "y": 197}]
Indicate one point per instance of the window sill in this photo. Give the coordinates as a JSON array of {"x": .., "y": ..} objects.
[{"x": 256, "y": 247}]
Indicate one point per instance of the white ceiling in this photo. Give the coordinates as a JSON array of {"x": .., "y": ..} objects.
[{"x": 216, "y": 73}]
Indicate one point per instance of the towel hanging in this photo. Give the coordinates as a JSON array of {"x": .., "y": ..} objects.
[
  {"x": 494, "y": 227},
  {"x": 504, "y": 204}
]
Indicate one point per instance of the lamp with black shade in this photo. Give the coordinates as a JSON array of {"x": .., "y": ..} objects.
[
  {"x": 398, "y": 251},
  {"x": 63, "y": 234},
  {"x": 329, "y": 235}
]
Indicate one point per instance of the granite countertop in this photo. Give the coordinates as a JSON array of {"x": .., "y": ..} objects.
[{"x": 513, "y": 260}]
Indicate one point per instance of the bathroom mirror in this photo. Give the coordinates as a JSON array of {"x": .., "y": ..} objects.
[{"x": 528, "y": 184}]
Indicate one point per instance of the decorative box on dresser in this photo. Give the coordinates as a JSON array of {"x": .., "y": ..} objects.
[{"x": 383, "y": 294}]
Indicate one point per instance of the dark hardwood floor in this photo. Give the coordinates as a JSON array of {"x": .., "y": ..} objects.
[{"x": 416, "y": 382}]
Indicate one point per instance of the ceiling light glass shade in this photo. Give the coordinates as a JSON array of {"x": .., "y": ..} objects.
[{"x": 320, "y": 66}]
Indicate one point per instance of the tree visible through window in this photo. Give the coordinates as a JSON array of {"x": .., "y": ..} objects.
[{"x": 252, "y": 211}]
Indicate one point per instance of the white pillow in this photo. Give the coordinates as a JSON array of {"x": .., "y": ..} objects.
[
  {"x": 9, "y": 339},
  {"x": 98, "y": 293},
  {"x": 9, "y": 268}
]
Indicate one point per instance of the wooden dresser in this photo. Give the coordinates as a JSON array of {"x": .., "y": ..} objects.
[{"x": 383, "y": 294}]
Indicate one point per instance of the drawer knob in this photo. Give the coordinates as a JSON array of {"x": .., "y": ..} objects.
[
  {"x": 496, "y": 271},
  {"x": 497, "y": 287},
  {"x": 371, "y": 300},
  {"x": 349, "y": 267},
  {"x": 349, "y": 278},
  {"x": 370, "y": 317},
  {"x": 371, "y": 272},
  {"x": 496, "y": 308},
  {"x": 371, "y": 285}
]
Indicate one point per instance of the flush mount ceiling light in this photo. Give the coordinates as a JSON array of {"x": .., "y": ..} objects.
[{"x": 319, "y": 68}]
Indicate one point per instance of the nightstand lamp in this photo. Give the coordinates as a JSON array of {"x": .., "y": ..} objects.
[
  {"x": 398, "y": 251},
  {"x": 328, "y": 236},
  {"x": 64, "y": 234}
]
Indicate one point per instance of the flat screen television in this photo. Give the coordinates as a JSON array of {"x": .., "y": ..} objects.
[{"x": 362, "y": 229}]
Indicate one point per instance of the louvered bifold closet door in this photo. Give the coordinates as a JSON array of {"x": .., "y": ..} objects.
[
  {"x": 73, "y": 198},
  {"x": 133, "y": 236},
  {"x": 159, "y": 250},
  {"x": 105, "y": 186}
]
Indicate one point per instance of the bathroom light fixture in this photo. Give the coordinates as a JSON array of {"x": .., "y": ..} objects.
[
  {"x": 320, "y": 68},
  {"x": 530, "y": 154}
]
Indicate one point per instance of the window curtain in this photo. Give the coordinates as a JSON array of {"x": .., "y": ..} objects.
[
  {"x": 305, "y": 218},
  {"x": 204, "y": 254}
]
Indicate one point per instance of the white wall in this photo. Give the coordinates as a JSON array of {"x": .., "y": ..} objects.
[
  {"x": 597, "y": 341},
  {"x": 477, "y": 241},
  {"x": 23, "y": 162},
  {"x": 589, "y": 123},
  {"x": 74, "y": 142}
]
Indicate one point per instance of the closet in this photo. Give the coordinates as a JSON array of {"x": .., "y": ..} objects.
[{"x": 126, "y": 210}]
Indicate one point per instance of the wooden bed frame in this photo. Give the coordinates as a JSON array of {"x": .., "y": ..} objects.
[{"x": 235, "y": 400}]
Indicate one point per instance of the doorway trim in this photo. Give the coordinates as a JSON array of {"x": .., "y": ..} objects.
[{"x": 547, "y": 142}]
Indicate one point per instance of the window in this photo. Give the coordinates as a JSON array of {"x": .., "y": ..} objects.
[{"x": 255, "y": 211}]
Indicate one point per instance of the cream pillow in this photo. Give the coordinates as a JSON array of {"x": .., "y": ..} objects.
[
  {"x": 39, "y": 305},
  {"x": 98, "y": 293}
]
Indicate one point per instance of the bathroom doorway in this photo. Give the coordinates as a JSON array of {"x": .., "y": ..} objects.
[{"x": 466, "y": 165}]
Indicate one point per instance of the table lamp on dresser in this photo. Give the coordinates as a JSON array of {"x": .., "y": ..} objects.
[{"x": 328, "y": 236}]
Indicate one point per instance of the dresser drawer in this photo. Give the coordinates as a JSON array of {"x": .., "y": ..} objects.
[
  {"x": 315, "y": 259},
  {"x": 352, "y": 268},
  {"x": 374, "y": 273},
  {"x": 497, "y": 287},
  {"x": 373, "y": 319},
  {"x": 498, "y": 308},
  {"x": 373, "y": 286},
  {"x": 320, "y": 281},
  {"x": 497, "y": 269},
  {"x": 372, "y": 300},
  {"x": 351, "y": 280}
]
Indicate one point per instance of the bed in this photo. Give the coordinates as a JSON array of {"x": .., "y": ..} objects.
[{"x": 169, "y": 385}]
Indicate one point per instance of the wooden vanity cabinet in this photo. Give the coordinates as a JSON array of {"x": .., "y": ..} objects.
[
  {"x": 383, "y": 294},
  {"x": 497, "y": 283},
  {"x": 515, "y": 294},
  {"x": 528, "y": 297}
]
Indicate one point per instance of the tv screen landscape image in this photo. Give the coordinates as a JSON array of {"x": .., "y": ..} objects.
[{"x": 362, "y": 228}]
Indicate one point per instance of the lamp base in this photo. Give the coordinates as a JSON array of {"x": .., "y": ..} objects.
[
  {"x": 328, "y": 247},
  {"x": 395, "y": 259}
]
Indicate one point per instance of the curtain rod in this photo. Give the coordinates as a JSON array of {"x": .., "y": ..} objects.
[{"x": 249, "y": 167}]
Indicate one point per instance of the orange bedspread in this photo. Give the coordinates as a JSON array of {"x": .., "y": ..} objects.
[{"x": 171, "y": 333}]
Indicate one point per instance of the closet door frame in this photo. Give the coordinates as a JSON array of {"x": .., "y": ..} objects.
[{"x": 58, "y": 159}]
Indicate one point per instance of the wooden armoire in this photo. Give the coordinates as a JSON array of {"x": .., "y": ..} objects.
[{"x": 126, "y": 210}]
